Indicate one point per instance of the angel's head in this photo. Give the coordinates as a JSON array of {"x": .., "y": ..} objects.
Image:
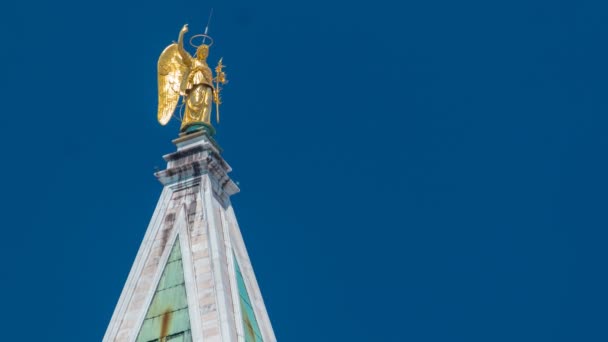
[{"x": 202, "y": 52}]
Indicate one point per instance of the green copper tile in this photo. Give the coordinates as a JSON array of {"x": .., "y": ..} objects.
[
  {"x": 167, "y": 316},
  {"x": 175, "y": 322},
  {"x": 172, "y": 299},
  {"x": 172, "y": 275},
  {"x": 176, "y": 252},
  {"x": 250, "y": 324}
]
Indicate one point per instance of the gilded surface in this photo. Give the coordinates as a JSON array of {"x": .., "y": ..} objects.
[{"x": 180, "y": 74}]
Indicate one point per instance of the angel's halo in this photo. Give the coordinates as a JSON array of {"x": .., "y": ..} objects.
[{"x": 204, "y": 36}]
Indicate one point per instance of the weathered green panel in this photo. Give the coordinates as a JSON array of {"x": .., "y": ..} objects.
[
  {"x": 176, "y": 252},
  {"x": 167, "y": 315},
  {"x": 171, "y": 299},
  {"x": 250, "y": 324},
  {"x": 181, "y": 337},
  {"x": 172, "y": 275},
  {"x": 176, "y": 322}
]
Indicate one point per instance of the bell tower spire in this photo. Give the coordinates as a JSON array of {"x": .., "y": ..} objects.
[{"x": 192, "y": 279}]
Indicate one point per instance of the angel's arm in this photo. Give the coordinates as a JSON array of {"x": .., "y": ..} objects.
[{"x": 180, "y": 46}]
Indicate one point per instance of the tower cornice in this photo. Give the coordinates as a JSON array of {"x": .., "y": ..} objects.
[{"x": 198, "y": 154}]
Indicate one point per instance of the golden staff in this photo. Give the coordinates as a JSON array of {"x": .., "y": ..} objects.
[{"x": 220, "y": 77}]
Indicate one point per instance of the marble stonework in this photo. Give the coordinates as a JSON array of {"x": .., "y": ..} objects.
[{"x": 195, "y": 211}]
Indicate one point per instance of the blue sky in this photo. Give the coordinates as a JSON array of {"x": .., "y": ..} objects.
[{"x": 410, "y": 171}]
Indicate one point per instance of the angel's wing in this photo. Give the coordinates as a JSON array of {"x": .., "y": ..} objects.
[{"x": 171, "y": 70}]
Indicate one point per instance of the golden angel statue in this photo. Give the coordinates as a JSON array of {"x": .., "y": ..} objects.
[{"x": 180, "y": 74}]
